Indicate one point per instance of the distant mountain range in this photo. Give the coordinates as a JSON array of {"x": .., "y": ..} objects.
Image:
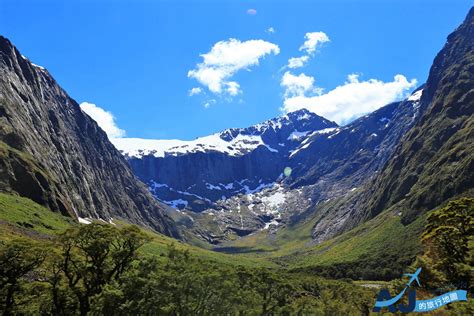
[
  {"x": 196, "y": 174},
  {"x": 237, "y": 176}
]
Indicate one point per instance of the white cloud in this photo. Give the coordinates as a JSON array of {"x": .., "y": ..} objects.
[
  {"x": 297, "y": 62},
  {"x": 351, "y": 100},
  {"x": 251, "y": 11},
  {"x": 104, "y": 119},
  {"x": 233, "y": 88},
  {"x": 313, "y": 39},
  {"x": 194, "y": 91},
  {"x": 225, "y": 59},
  {"x": 296, "y": 85},
  {"x": 271, "y": 30}
]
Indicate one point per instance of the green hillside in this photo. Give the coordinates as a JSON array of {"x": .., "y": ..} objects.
[{"x": 31, "y": 234}]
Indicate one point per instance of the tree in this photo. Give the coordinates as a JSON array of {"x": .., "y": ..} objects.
[
  {"x": 17, "y": 258},
  {"x": 447, "y": 238},
  {"x": 274, "y": 292},
  {"x": 93, "y": 256}
]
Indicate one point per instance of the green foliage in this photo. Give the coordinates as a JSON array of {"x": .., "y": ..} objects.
[
  {"x": 17, "y": 259},
  {"x": 448, "y": 242},
  {"x": 93, "y": 256},
  {"x": 97, "y": 269},
  {"x": 379, "y": 249}
]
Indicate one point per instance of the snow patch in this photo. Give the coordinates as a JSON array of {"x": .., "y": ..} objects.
[
  {"x": 84, "y": 220},
  {"x": 297, "y": 135},
  {"x": 273, "y": 222},
  {"x": 416, "y": 96},
  {"x": 212, "y": 187},
  {"x": 294, "y": 152},
  {"x": 274, "y": 201},
  {"x": 175, "y": 203},
  {"x": 327, "y": 130}
]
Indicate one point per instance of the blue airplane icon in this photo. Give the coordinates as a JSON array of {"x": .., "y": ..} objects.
[{"x": 413, "y": 277}]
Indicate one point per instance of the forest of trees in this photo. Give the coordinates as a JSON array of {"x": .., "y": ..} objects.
[{"x": 97, "y": 269}]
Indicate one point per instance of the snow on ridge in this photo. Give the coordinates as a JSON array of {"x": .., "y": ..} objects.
[
  {"x": 38, "y": 66},
  {"x": 327, "y": 130},
  {"x": 305, "y": 143},
  {"x": 294, "y": 152},
  {"x": 416, "y": 96},
  {"x": 210, "y": 186},
  {"x": 34, "y": 65},
  {"x": 296, "y": 135},
  {"x": 246, "y": 139},
  {"x": 139, "y": 147}
]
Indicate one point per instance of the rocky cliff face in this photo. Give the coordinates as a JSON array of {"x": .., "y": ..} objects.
[
  {"x": 435, "y": 160},
  {"x": 56, "y": 155}
]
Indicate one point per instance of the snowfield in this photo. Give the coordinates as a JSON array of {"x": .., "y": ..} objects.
[{"x": 139, "y": 147}]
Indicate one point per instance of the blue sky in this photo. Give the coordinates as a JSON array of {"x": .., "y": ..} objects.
[{"x": 133, "y": 58}]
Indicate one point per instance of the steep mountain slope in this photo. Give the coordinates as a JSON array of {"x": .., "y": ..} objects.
[
  {"x": 435, "y": 160},
  {"x": 198, "y": 173},
  {"x": 56, "y": 155}
]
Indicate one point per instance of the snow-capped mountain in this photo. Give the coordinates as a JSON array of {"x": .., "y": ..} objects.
[
  {"x": 235, "y": 179},
  {"x": 327, "y": 167},
  {"x": 278, "y": 132},
  {"x": 195, "y": 174}
]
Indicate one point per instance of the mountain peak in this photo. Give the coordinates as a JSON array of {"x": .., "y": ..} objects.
[{"x": 272, "y": 134}]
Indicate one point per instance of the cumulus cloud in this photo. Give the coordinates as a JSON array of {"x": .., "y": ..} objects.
[
  {"x": 194, "y": 91},
  {"x": 225, "y": 59},
  {"x": 313, "y": 40},
  {"x": 348, "y": 101},
  {"x": 296, "y": 85},
  {"x": 297, "y": 62},
  {"x": 251, "y": 11},
  {"x": 104, "y": 119}
]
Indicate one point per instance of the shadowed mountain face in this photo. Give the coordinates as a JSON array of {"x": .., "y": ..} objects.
[
  {"x": 56, "y": 155},
  {"x": 196, "y": 174},
  {"x": 435, "y": 160}
]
